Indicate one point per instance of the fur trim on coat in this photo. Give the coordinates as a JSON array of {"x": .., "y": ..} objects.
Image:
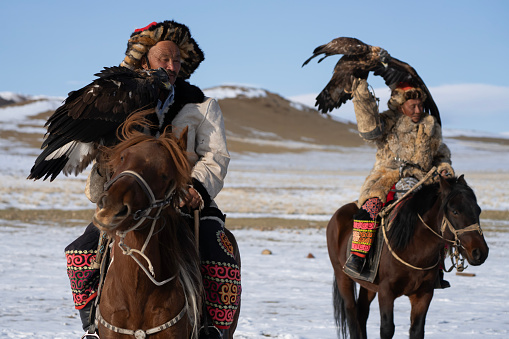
[{"x": 404, "y": 149}]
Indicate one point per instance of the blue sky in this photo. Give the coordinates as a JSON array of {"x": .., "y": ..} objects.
[{"x": 459, "y": 48}]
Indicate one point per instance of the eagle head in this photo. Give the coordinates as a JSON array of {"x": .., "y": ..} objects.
[
  {"x": 384, "y": 57},
  {"x": 160, "y": 77}
]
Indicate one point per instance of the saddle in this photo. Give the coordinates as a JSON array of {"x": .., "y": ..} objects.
[{"x": 403, "y": 189}]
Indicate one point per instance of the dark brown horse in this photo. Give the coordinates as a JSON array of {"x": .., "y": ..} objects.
[
  {"x": 446, "y": 212},
  {"x": 153, "y": 285}
]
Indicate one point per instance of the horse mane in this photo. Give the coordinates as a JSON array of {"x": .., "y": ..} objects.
[
  {"x": 403, "y": 226},
  {"x": 178, "y": 241},
  {"x": 130, "y": 133}
]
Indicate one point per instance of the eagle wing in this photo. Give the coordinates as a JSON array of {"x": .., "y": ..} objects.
[
  {"x": 358, "y": 60},
  {"x": 90, "y": 116},
  {"x": 396, "y": 71}
]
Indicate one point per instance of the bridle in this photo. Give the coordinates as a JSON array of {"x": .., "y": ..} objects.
[
  {"x": 456, "y": 259},
  {"x": 142, "y": 215}
]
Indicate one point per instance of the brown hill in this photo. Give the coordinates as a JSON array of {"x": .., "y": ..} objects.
[{"x": 273, "y": 124}]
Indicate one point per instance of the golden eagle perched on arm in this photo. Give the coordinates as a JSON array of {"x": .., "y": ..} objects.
[
  {"x": 90, "y": 116},
  {"x": 357, "y": 61}
]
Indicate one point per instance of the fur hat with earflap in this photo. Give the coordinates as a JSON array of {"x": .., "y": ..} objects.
[
  {"x": 404, "y": 92},
  {"x": 144, "y": 38}
]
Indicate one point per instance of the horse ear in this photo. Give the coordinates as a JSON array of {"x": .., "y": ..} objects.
[
  {"x": 182, "y": 140},
  {"x": 461, "y": 180},
  {"x": 445, "y": 187}
]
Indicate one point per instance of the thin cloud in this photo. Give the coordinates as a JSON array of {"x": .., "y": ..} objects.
[{"x": 463, "y": 106}]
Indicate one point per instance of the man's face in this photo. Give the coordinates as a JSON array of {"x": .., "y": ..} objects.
[
  {"x": 165, "y": 54},
  {"x": 412, "y": 108}
]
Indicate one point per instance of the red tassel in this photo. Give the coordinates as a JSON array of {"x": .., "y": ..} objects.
[{"x": 145, "y": 28}]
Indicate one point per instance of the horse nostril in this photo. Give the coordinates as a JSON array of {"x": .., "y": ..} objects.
[
  {"x": 123, "y": 212},
  {"x": 476, "y": 254},
  {"x": 101, "y": 202}
]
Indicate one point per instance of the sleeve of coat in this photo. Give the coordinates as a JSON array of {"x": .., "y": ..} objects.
[
  {"x": 213, "y": 157},
  {"x": 366, "y": 111},
  {"x": 443, "y": 157}
]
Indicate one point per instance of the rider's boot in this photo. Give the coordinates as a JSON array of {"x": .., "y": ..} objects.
[
  {"x": 85, "y": 315},
  {"x": 355, "y": 263},
  {"x": 365, "y": 224},
  {"x": 441, "y": 283}
]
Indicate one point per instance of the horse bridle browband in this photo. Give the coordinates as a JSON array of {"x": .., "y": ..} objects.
[{"x": 154, "y": 203}]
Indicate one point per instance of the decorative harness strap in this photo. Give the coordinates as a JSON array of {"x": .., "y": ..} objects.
[{"x": 140, "y": 334}]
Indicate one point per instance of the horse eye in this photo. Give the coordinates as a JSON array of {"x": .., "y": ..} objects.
[
  {"x": 455, "y": 212},
  {"x": 122, "y": 158}
]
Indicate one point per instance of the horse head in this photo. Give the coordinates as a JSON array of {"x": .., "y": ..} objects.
[
  {"x": 148, "y": 174},
  {"x": 461, "y": 222}
]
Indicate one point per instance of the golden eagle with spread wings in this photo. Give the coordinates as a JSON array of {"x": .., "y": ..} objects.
[
  {"x": 90, "y": 116},
  {"x": 358, "y": 60}
]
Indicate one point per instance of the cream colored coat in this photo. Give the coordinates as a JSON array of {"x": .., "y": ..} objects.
[
  {"x": 206, "y": 147},
  {"x": 404, "y": 148},
  {"x": 206, "y": 143}
]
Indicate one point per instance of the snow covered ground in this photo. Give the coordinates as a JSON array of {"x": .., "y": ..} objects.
[{"x": 285, "y": 295}]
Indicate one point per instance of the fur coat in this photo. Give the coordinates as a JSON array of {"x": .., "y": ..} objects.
[{"x": 404, "y": 148}]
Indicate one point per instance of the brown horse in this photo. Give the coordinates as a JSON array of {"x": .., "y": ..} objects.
[
  {"x": 441, "y": 213},
  {"x": 153, "y": 286}
]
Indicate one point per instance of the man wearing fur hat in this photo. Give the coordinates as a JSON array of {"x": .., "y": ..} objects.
[
  {"x": 409, "y": 143},
  {"x": 169, "y": 45}
]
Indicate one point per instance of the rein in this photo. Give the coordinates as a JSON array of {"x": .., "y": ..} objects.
[
  {"x": 401, "y": 260},
  {"x": 385, "y": 212}
]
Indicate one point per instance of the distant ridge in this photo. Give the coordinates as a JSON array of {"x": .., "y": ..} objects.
[
  {"x": 9, "y": 98},
  {"x": 256, "y": 120}
]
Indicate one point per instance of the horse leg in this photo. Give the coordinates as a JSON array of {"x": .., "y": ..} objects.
[
  {"x": 345, "y": 306},
  {"x": 420, "y": 304},
  {"x": 386, "y": 304},
  {"x": 363, "y": 302}
]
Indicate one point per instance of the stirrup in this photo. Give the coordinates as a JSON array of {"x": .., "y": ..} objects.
[
  {"x": 90, "y": 335},
  {"x": 209, "y": 327}
]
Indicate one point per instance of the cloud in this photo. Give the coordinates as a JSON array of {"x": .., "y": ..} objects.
[{"x": 479, "y": 107}]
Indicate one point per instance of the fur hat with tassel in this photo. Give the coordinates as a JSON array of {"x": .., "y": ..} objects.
[
  {"x": 404, "y": 92},
  {"x": 144, "y": 38}
]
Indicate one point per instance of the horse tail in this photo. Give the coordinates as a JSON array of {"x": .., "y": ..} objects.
[{"x": 340, "y": 310}]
